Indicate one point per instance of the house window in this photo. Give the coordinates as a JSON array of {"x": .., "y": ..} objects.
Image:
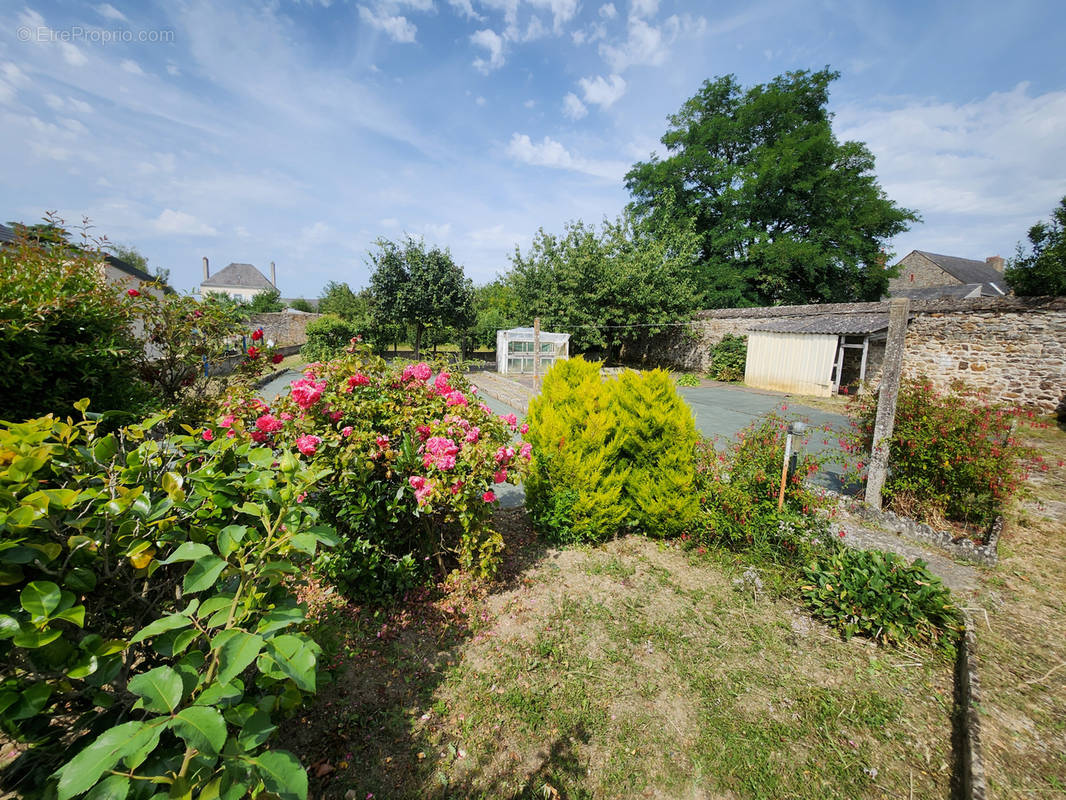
[{"x": 912, "y": 277}]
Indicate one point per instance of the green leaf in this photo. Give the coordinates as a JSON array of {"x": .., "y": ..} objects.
[
  {"x": 229, "y": 537},
  {"x": 282, "y": 774},
  {"x": 280, "y": 618},
  {"x": 81, "y": 580},
  {"x": 30, "y": 638},
  {"x": 221, "y": 694},
  {"x": 105, "y": 448},
  {"x": 296, "y": 658},
  {"x": 8, "y": 627},
  {"x": 238, "y": 651},
  {"x": 113, "y": 787},
  {"x": 84, "y": 770},
  {"x": 62, "y": 498},
  {"x": 172, "y": 482},
  {"x": 75, "y": 615},
  {"x": 40, "y": 598},
  {"x": 160, "y": 689},
  {"x": 201, "y": 727},
  {"x": 256, "y": 730},
  {"x": 171, "y": 622},
  {"x": 203, "y": 574},
  {"x": 188, "y": 551},
  {"x": 261, "y": 457},
  {"x": 31, "y": 701}
]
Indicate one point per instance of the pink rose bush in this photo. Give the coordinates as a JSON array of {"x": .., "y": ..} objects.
[{"x": 413, "y": 465}]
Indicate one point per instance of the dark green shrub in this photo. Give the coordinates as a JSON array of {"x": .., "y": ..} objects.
[
  {"x": 609, "y": 455},
  {"x": 878, "y": 595},
  {"x": 952, "y": 455},
  {"x": 728, "y": 358},
  {"x": 148, "y": 624},
  {"x": 65, "y": 332},
  {"x": 328, "y": 337}
]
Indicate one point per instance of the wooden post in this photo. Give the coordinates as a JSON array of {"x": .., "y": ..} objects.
[
  {"x": 536, "y": 351},
  {"x": 898, "y": 311}
]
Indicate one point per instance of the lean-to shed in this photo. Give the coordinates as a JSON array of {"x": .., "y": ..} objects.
[
  {"x": 515, "y": 350},
  {"x": 816, "y": 354}
]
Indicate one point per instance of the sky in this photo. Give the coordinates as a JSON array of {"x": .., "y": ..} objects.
[{"x": 302, "y": 132}]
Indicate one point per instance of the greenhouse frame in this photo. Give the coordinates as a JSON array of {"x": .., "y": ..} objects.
[{"x": 515, "y": 350}]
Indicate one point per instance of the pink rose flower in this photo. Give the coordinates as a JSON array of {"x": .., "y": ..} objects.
[
  {"x": 358, "y": 379},
  {"x": 346, "y": 430},
  {"x": 259, "y": 436},
  {"x": 500, "y": 476},
  {"x": 456, "y": 398},
  {"x": 420, "y": 372},
  {"x": 526, "y": 451},
  {"x": 416, "y": 481},
  {"x": 308, "y": 444},
  {"x": 489, "y": 496},
  {"x": 336, "y": 415},
  {"x": 133, "y": 293},
  {"x": 306, "y": 392},
  {"x": 208, "y": 434},
  {"x": 523, "y": 428},
  {"x": 285, "y": 415},
  {"x": 423, "y": 432},
  {"x": 473, "y": 434},
  {"x": 269, "y": 423},
  {"x": 382, "y": 442},
  {"x": 484, "y": 408},
  {"x": 227, "y": 421}
]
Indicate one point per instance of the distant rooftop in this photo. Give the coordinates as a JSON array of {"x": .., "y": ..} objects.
[
  {"x": 244, "y": 276},
  {"x": 968, "y": 270}
]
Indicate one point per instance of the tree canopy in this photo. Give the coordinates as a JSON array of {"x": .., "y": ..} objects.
[
  {"x": 421, "y": 287},
  {"x": 338, "y": 298},
  {"x": 1042, "y": 271},
  {"x": 266, "y": 301},
  {"x": 785, "y": 213},
  {"x": 610, "y": 287}
]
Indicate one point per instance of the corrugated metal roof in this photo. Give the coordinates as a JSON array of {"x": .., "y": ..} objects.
[
  {"x": 826, "y": 323},
  {"x": 244, "y": 276}
]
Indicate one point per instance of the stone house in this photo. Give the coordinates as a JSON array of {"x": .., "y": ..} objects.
[
  {"x": 929, "y": 276},
  {"x": 240, "y": 281}
]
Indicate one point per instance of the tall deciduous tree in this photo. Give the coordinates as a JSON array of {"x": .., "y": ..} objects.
[
  {"x": 1043, "y": 271},
  {"x": 420, "y": 287},
  {"x": 608, "y": 288},
  {"x": 338, "y": 298},
  {"x": 785, "y": 212}
]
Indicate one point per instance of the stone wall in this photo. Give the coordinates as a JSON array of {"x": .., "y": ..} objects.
[
  {"x": 1013, "y": 347},
  {"x": 283, "y": 327}
]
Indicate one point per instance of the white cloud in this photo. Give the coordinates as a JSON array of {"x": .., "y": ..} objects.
[
  {"x": 110, "y": 12},
  {"x": 608, "y": 11},
  {"x": 73, "y": 125},
  {"x": 562, "y": 11},
  {"x": 173, "y": 70},
  {"x": 465, "y": 8},
  {"x": 131, "y": 66},
  {"x": 493, "y": 43},
  {"x": 79, "y": 105},
  {"x": 601, "y": 91},
  {"x": 529, "y": 103},
  {"x": 573, "y": 108},
  {"x": 72, "y": 55},
  {"x": 437, "y": 232},
  {"x": 397, "y": 28},
  {"x": 182, "y": 224},
  {"x": 53, "y": 102},
  {"x": 550, "y": 153},
  {"x": 644, "y": 8},
  {"x": 987, "y": 158}
]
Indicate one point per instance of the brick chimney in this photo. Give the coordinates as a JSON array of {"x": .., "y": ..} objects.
[
  {"x": 996, "y": 262},
  {"x": 274, "y": 274},
  {"x": 207, "y": 271}
]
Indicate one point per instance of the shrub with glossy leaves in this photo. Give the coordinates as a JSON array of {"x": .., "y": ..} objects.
[
  {"x": 729, "y": 358},
  {"x": 878, "y": 595},
  {"x": 328, "y": 337},
  {"x": 148, "y": 625}
]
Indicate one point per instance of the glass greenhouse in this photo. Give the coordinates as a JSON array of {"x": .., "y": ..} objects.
[{"x": 515, "y": 350}]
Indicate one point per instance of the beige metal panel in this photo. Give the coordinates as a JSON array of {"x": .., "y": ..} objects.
[{"x": 800, "y": 363}]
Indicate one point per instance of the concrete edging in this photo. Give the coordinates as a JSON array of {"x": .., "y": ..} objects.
[{"x": 969, "y": 781}]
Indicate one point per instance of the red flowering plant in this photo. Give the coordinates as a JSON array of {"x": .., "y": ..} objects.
[
  {"x": 953, "y": 456},
  {"x": 415, "y": 457},
  {"x": 739, "y": 487},
  {"x": 187, "y": 345}
]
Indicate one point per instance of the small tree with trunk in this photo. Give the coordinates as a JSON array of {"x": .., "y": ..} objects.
[{"x": 421, "y": 287}]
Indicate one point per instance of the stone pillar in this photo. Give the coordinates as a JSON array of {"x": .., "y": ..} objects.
[{"x": 898, "y": 312}]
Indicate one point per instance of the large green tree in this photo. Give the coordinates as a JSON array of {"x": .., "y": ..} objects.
[
  {"x": 498, "y": 308},
  {"x": 421, "y": 287},
  {"x": 611, "y": 287},
  {"x": 338, "y": 298},
  {"x": 1042, "y": 271},
  {"x": 785, "y": 212}
]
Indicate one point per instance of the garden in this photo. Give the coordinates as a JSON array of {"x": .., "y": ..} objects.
[{"x": 206, "y": 595}]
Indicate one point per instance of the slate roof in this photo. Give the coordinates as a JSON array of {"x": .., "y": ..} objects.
[
  {"x": 826, "y": 323},
  {"x": 129, "y": 269},
  {"x": 6, "y": 234},
  {"x": 956, "y": 290},
  {"x": 244, "y": 276},
  {"x": 967, "y": 270}
]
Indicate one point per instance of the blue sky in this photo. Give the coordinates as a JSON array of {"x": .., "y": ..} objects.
[{"x": 301, "y": 132}]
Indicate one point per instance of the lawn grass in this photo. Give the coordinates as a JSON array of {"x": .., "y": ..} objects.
[
  {"x": 634, "y": 669},
  {"x": 1021, "y": 636}
]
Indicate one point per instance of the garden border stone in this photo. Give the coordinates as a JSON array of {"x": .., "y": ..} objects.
[{"x": 969, "y": 780}]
